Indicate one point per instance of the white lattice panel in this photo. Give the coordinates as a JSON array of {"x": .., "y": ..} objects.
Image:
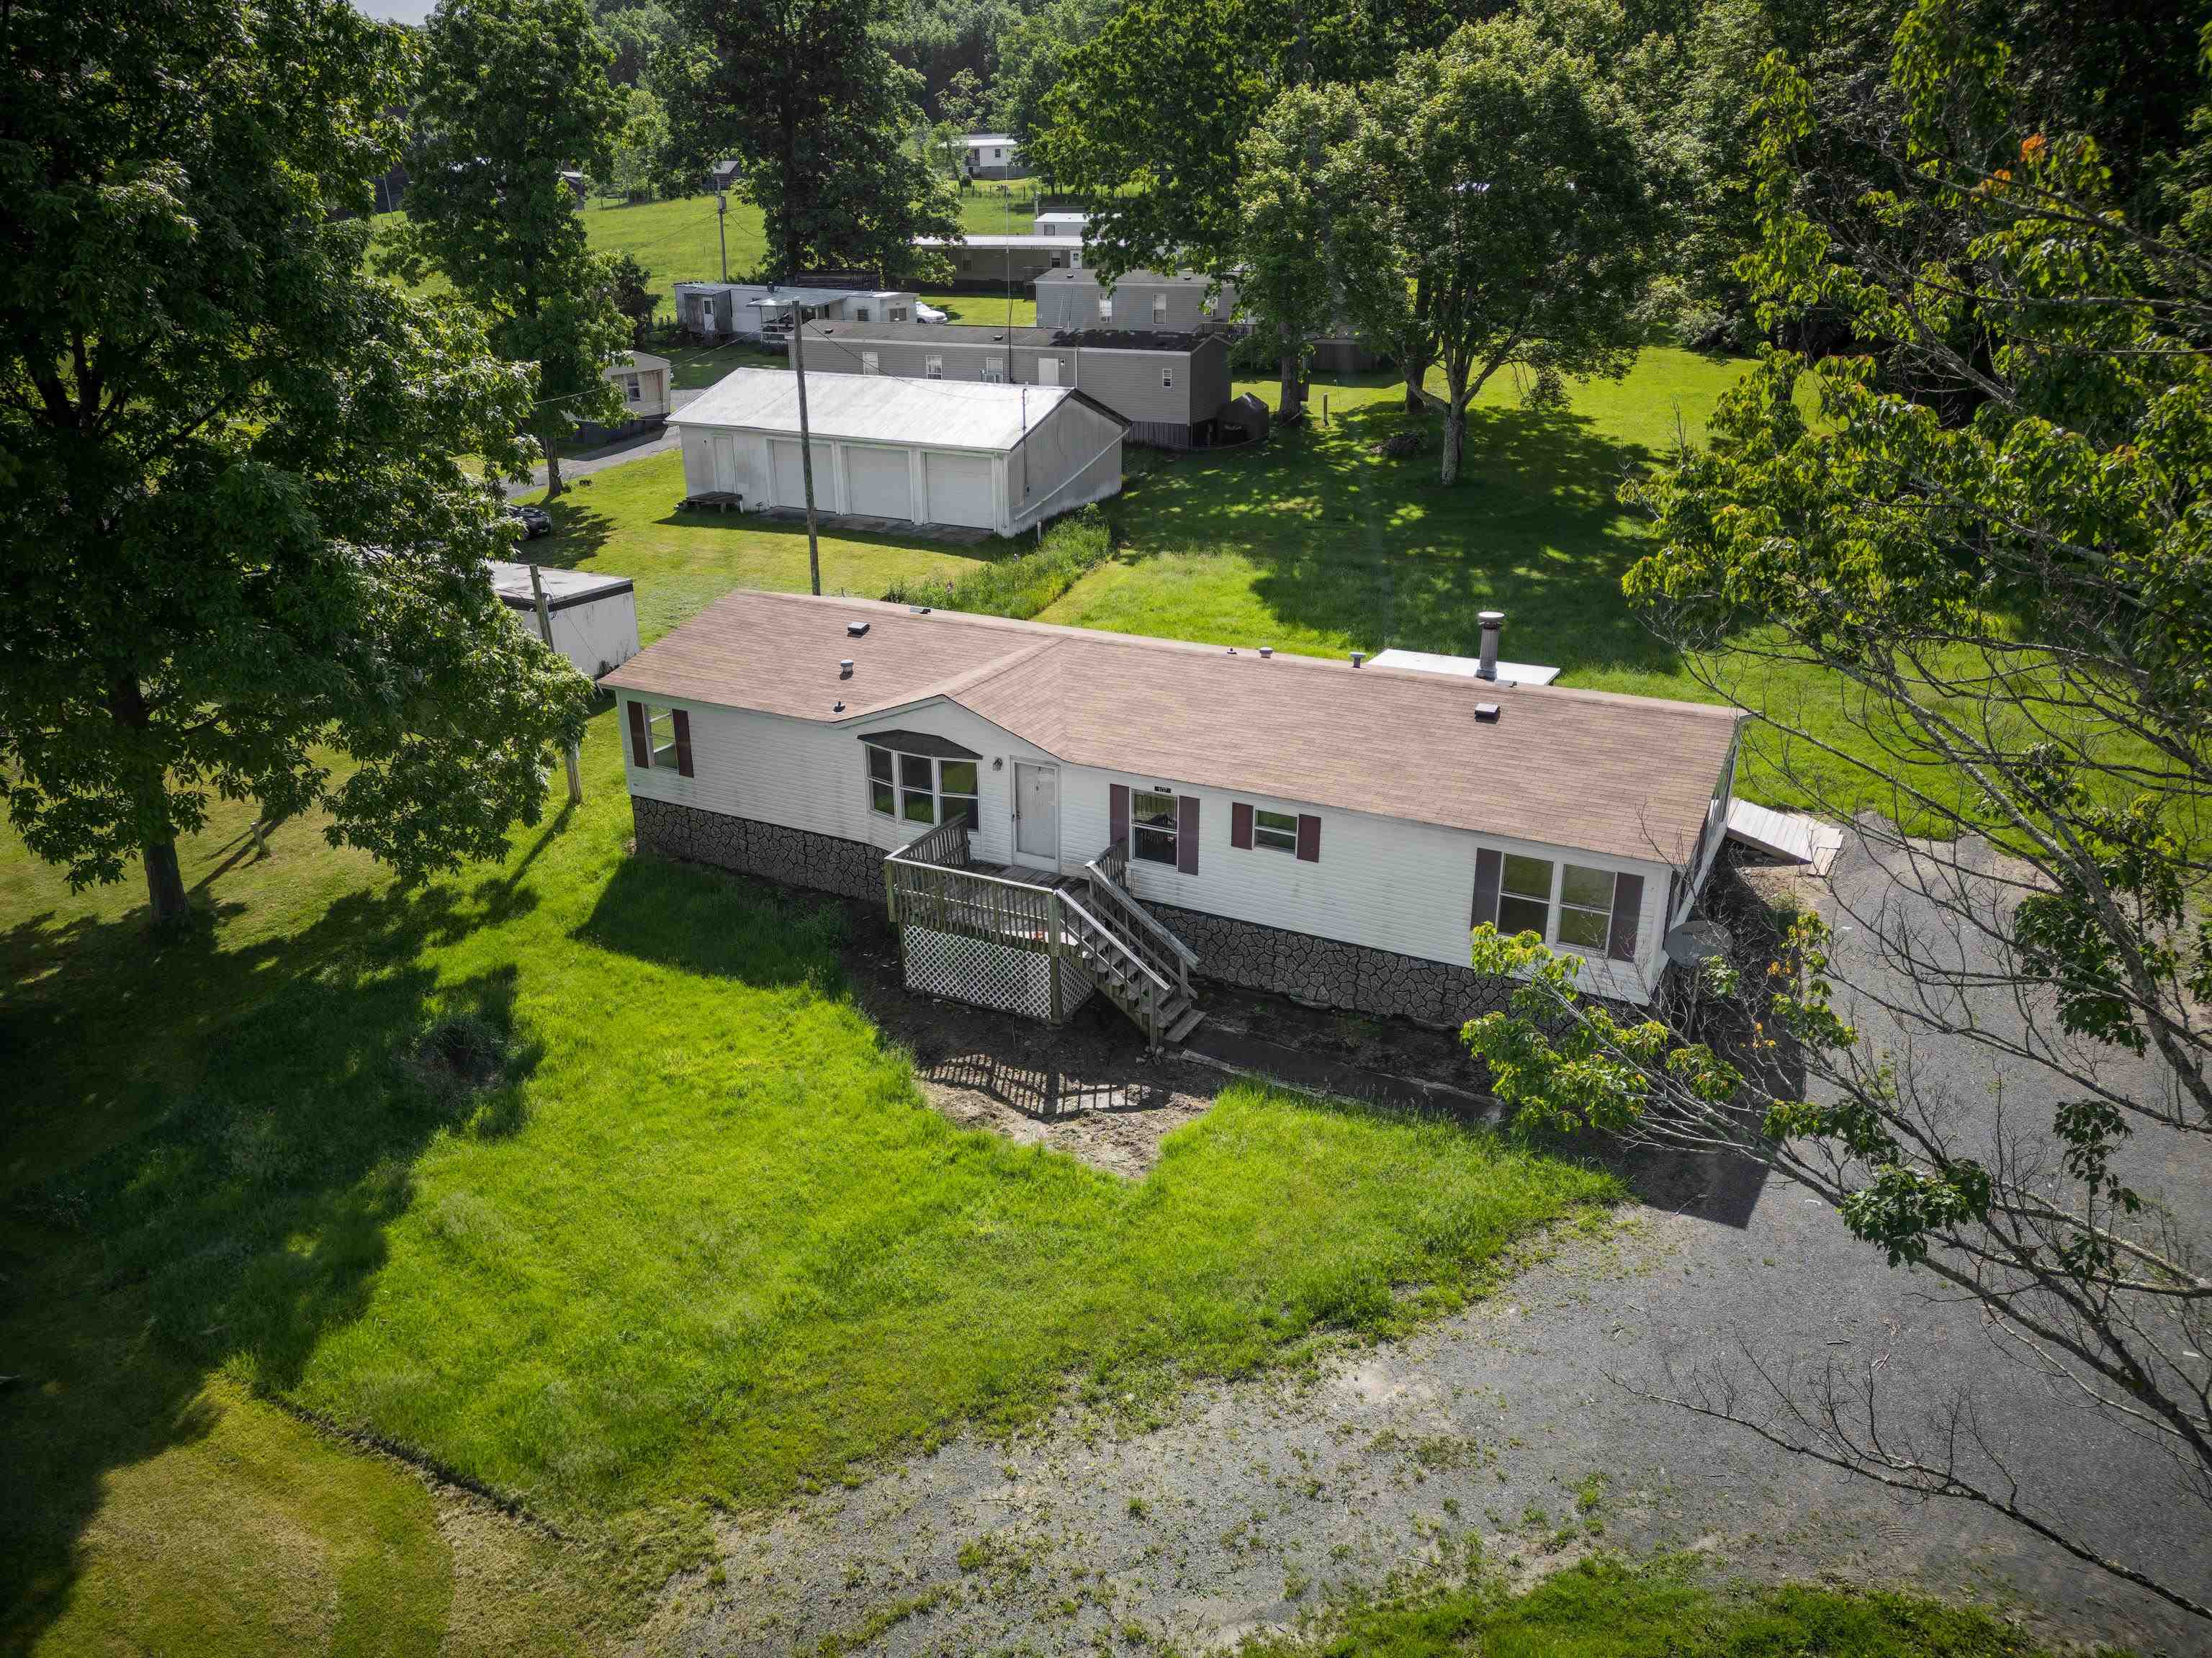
[{"x": 989, "y": 974}]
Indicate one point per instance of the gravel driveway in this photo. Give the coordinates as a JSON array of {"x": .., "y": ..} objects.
[{"x": 1512, "y": 1428}]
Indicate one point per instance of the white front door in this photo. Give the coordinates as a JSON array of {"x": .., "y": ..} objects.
[
  {"x": 1047, "y": 371},
  {"x": 1036, "y": 814}
]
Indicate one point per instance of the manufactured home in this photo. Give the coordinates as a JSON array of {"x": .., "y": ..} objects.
[
  {"x": 993, "y": 155},
  {"x": 756, "y": 311},
  {"x": 1169, "y": 387},
  {"x": 1050, "y": 813},
  {"x": 997, "y": 263},
  {"x": 1062, "y": 225},
  {"x": 593, "y": 617},
  {"x": 643, "y": 381},
  {"x": 1142, "y": 301},
  {"x": 1000, "y": 457}
]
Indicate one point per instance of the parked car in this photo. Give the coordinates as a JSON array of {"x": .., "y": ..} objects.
[{"x": 535, "y": 521}]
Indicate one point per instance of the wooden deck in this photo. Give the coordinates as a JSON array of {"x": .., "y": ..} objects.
[{"x": 1091, "y": 934}]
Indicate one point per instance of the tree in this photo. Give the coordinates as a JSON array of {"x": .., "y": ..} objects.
[
  {"x": 964, "y": 101},
  {"x": 1287, "y": 228},
  {"x": 636, "y": 35},
  {"x": 512, "y": 92},
  {"x": 1032, "y": 55},
  {"x": 633, "y": 293},
  {"x": 820, "y": 117},
  {"x": 1993, "y": 539},
  {"x": 1510, "y": 177},
  {"x": 639, "y": 161},
  {"x": 240, "y": 561}
]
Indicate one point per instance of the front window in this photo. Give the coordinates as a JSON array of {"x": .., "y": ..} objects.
[
  {"x": 1525, "y": 896},
  {"x": 898, "y": 313},
  {"x": 993, "y": 371},
  {"x": 1167, "y": 380},
  {"x": 919, "y": 789},
  {"x": 660, "y": 734},
  {"x": 631, "y": 390},
  {"x": 1152, "y": 826},
  {"x": 933, "y": 368},
  {"x": 1277, "y": 831},
  {"x": 1585, "y": 907},
  {"x": 861, "y": 313}
]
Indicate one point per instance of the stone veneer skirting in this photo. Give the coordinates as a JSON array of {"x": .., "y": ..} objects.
[
  {"x": 796, "y": 858},
  {"x": 1321, "y": 972},
  {"x": 1327, "y": 973}
]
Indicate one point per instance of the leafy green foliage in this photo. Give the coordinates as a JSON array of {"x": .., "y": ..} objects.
[
  {"x": 821, "y": 117},
  {"x": 235, "y": 544},
  {"x": 1021, "y": 584},
  {"x": 1290, "y": 204},
  {"x": 512, "y": 93}
]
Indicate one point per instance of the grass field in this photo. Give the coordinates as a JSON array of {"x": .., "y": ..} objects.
[
  {"x": 696, "y": 1240},
  {"x": 1604, "y": 1609}
]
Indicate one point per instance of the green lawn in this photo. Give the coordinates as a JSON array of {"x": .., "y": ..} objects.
[
  {"x": 1602, "y": 1609},
  {"x": 698, "y": 1241}
]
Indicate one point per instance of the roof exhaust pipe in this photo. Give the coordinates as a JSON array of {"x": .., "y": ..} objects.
[{"x": 1494, "y": 623}]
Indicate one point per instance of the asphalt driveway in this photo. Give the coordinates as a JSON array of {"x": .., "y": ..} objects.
[{"x": 1516, "y": 1429}]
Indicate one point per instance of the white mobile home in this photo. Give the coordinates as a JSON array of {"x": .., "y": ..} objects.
[
  {"x": 1002, "y": 458},
  {"x": 993, "y": 155},
  {"x": 754, "y": 310},
  {"x": 594, "y": 617},
  {"x": 1081, "y": 812},
  {"x": 643, "y": 380}
]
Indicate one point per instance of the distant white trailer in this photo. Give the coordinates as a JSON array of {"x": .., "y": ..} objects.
[{"x": 594, "y": 617}]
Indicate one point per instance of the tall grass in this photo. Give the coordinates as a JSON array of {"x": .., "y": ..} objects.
[{"x": 1022, "y": 584}]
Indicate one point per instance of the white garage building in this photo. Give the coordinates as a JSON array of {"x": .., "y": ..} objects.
[{"x": 969, "y": 453}]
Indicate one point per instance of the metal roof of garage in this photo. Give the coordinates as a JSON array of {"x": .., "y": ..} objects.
[{"x": 878, "y": 408}]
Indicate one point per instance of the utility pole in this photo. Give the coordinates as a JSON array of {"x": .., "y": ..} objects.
[
  {"x": 545, "y": 633},
  {"x": 721, "y": 229},
  {"x": 806, "y": 444}
]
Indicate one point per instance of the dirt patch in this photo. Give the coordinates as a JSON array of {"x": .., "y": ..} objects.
[{"x": 1090, "y": 1088}]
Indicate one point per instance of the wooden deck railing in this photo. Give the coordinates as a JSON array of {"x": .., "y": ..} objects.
[
  {"x": 1164, "y": 953},
  {"x": 927, "y": 884}
]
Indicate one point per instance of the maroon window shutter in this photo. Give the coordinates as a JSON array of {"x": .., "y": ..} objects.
[
  {"x": 1488, "y": 869},
  {"x": 682, "y": 721},
  {"x": 1627, "y": 901},
  {"x": 1240, "y": 825},
  {"x": 641, "y": 743},
  {"x": 1308, "y": 838},
  {"x": 1117, "y": 812},
  {"x": 1186, "y": 834}
]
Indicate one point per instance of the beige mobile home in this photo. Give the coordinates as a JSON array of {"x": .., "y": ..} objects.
[{"x": 1169, "y": 387}]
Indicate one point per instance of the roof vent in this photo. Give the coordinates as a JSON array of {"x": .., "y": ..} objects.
[
  {"x": 1359, "y": 658},
  {"x": 1487, "y": 712},
  {"x": 919, "y": 609},
  {"x": 1266, "y": 650},
  {"x": 845, "y": 669},
  {"x": 836, "y": 707},
  {"x": 856, "y": 629}
]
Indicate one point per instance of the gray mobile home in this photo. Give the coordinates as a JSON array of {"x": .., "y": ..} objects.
[
  {"x": 1142, "y": 301},
  {"x": 1169, "y": 387},
  {"x": 996, "y": 263}
]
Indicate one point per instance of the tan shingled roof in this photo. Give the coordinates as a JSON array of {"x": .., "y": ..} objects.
[{"x": 1624, "y": 776}]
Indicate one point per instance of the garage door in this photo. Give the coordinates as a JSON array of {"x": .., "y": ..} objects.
[
  {"x": 790, "y": 482},
  {"x": 960, "y": 490},
  {"x": 878, "y": 482}
]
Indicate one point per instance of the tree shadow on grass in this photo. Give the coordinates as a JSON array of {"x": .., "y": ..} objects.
[
  {"x": 579, "y": 530},
  {"x": 292, "y": 1086},
  {"x": 706, "y": 921},
  {"x": 1373, "y": 550}
]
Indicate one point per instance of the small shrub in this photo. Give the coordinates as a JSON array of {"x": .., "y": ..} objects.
[{"x": 1022, "y": 584}]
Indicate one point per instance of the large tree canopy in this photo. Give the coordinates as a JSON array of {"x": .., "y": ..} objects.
[
  {"x": 240, "y": 561},
  {"x": 1994, "y": 537},
  {"x": 513, "y": 92},
  {"x": 805, "y": 95}
]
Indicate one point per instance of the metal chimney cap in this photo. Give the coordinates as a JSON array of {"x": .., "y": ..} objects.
[
  {"x": 1266, "y": 650},
  {"x": 1359, "y": 659},
  {"x": 845, "y": 669},
  {"x": 1492, "y": 618}
]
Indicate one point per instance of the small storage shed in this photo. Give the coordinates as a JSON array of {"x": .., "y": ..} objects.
[
  {"x": 643, "y": 381},
  {"x": 1001, "y": 457},
  {"x": 594, "y": 616}
]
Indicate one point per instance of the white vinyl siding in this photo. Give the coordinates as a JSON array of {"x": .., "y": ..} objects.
[{"x": 1382, "y": 881}]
